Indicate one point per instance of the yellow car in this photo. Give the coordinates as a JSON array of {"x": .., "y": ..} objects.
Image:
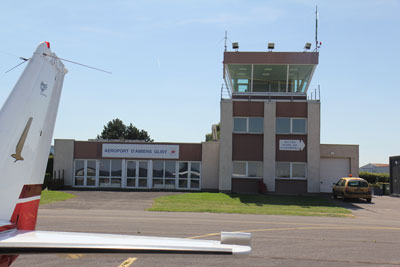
[{"x": 352, "y": 187}]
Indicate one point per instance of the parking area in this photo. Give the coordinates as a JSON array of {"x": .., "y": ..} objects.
[{"x": 370, "y": 238}]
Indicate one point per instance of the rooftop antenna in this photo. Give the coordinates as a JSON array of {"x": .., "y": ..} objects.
[
  {"x": 226, "y": 38},
  {"x": 316, "y": 28}
]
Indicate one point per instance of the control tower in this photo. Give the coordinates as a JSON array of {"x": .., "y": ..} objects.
[{"x": 270, "y": 130}]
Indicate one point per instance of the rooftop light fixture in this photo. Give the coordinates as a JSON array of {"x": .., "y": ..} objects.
[
  {"x": 307, "y": 46},
  {"x": 242, "y": 68},
  {"x": 267, "y": 68},
  {"x": 235, "y": 46},
  {"x": 271, "y": 46},
  {"x": 265, "y": 74}
]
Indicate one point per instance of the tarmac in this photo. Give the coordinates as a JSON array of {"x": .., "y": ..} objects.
[{"x": 370, "y": 238}]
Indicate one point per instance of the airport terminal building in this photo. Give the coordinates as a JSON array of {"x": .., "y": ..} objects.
[{"x": 270, "y": 132}]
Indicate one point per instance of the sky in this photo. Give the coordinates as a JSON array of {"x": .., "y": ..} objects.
[{"x": 166, "y": 62}]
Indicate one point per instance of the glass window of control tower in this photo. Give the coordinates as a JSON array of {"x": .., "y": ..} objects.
[
  {"x": 270, "y": 78},
  {"x": 240, "y": 77},
  {"x": 299, "y": 76}
]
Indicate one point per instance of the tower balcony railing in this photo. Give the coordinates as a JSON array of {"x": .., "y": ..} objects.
[
  {"x": 313, "y": 94},
  {"x": 226, "y": 92}
]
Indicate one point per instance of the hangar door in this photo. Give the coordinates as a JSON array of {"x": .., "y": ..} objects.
[{"x": 331, "y": 170}]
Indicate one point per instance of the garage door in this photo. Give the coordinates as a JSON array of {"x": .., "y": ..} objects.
[{"x": 331, "y": 170}]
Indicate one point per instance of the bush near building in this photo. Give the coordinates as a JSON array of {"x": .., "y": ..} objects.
[
  {"x": 49, "y": 172},
  {"x": 374, "y": 178}
]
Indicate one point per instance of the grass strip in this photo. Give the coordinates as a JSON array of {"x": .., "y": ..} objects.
[
  {"x": 49, "y": 196},
  {"x": 250, "y": 204}
]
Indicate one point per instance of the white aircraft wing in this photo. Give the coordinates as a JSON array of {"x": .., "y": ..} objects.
[{"x": 21, "y": 242}]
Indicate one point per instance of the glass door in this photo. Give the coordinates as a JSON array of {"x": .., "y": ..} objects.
[
  {"x": 136, "y": 174},
  {"x": 189, "y": 176},
  {"x": 183, "y": 175},
  {"x": 143, "y": 173},
  {"x": 131, "y": 174}
]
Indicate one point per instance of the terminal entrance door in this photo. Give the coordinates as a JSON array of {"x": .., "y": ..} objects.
[
  {"x": 189, "y": 175},
  {"x": 136, "y": 173},
  {"x": 164, "y": 174}
]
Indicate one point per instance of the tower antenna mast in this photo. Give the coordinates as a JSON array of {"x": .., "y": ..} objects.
[
  {"x": 316, "y": 28},
  {"x": 226, "y": 38}
]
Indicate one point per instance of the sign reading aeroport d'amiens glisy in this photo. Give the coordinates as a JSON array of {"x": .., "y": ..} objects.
[{"x": 140, "y": 151}]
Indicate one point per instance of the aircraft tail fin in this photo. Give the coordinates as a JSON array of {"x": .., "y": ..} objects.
[{"x": 27, "y": 121}]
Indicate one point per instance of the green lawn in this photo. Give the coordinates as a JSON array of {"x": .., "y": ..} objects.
[
  {"x": 250, "y": 204},
  {"x": 49, "y": 196}
]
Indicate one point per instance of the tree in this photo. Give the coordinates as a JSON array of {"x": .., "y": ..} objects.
[
  {"x": 116, "y": 129},
  {"x": 133, "y": 133},
  {"x": 209, "y": 136}
]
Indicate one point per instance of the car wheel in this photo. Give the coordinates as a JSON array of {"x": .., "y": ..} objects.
[
  {"x": 343, "y": 197},
  {"x": 368, "y": 200},
  {"x": 334, "y": 195}
]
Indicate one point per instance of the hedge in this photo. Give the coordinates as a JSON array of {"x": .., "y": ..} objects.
[{"x": 374, "y": 178}]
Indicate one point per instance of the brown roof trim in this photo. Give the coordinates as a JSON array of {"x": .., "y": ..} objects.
[{"x": 271, "y": 58}]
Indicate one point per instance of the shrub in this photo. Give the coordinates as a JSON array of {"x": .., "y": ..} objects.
[{"x": 374, "y": 178}]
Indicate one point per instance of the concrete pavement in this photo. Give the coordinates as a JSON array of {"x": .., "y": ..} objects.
[{"x": 369, "y": 239}]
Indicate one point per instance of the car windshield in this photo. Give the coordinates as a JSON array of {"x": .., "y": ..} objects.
[{"x": 356, "y": 183}]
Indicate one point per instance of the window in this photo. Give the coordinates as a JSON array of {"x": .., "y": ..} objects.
[
  {"x": 283, "y": 125},
  {"x": 282, "y": 169},
  {"x": 164, "y": 173},
  {"x": 239, "y": 168},
  {"x": 341, "y": 182},
  {"x": 143, "y": 166},
  {"x": 79, "y": 173},
  {"x": 183, "y": 174},
  {"x": 253, "y": 169},
  {"x": 85, "y": 172},
  {"x": 195, "y": 175},
  {"x": 299, "y": 170},
  {"x": 131, "y": 175},
  {"x": 291, "y": 125},
  {"x": 136, "y": 174},
  {"x": 170, "y": 174},
  {"x": 242, "y": 85},
  {"x": 116, "y": 173},
  {"x": 104, "y": 172},
  {"x": 91, "y": 173},
  {"x": 256, "y": 125},
  {"x": 189, "y": 175},
  {"x": 248, "y": 125},
  {"x": 356, "y": 183},
  {"x": 298, "y": 126},
  {"x": 110, "y": 173},
  {"x": 290, "y": 170},
  {"x": 240, "y": 125},
  {"x": 268, "y": 78},
  {"x": 241, "y": 77},
  {"x": 158, "y": 173}
]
